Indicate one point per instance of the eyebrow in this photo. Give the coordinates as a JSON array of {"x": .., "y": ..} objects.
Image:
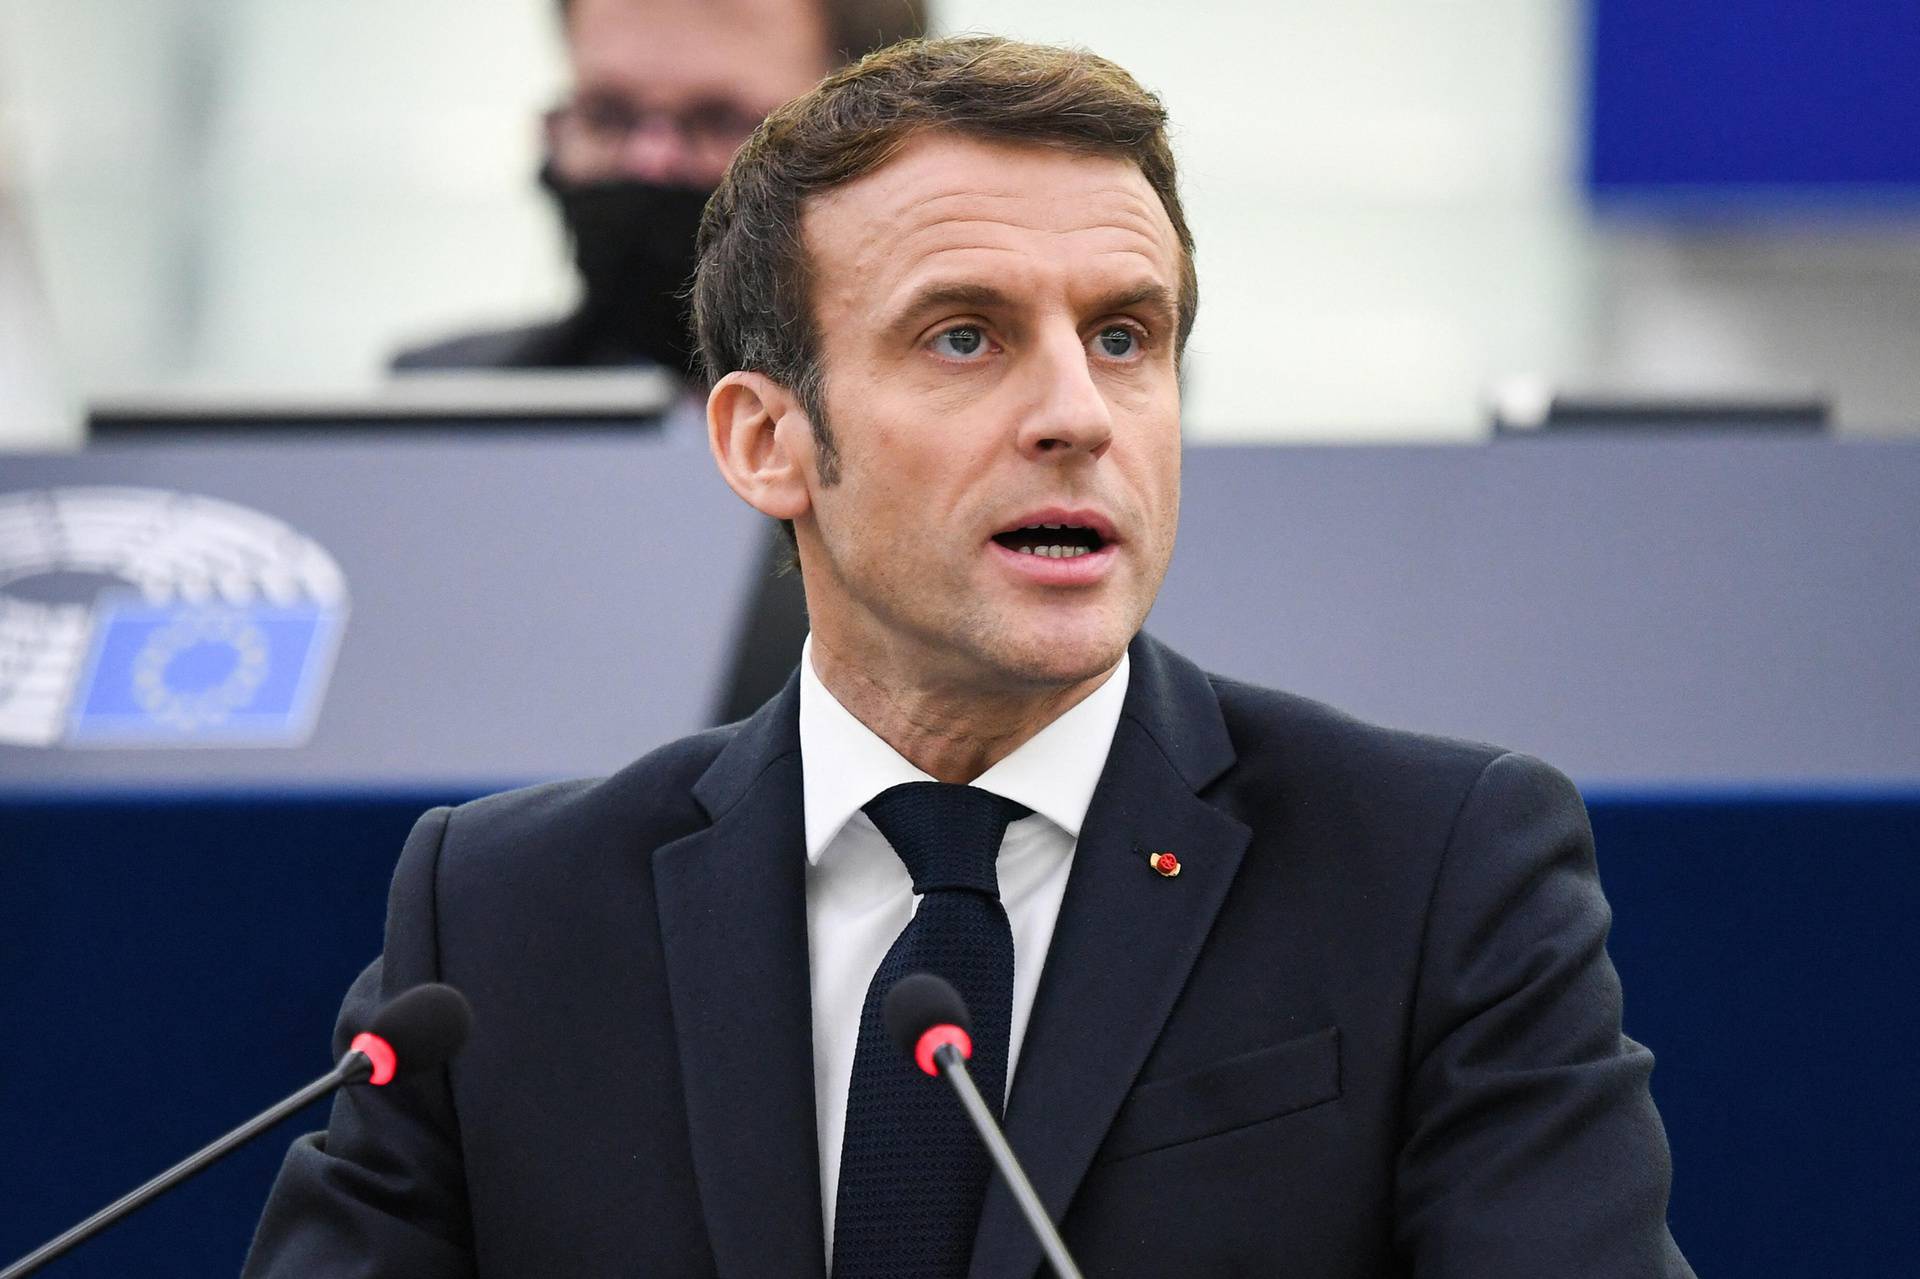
[
  {"x": 982, "y": 297},
  {"x": 1152, "y": 296}
]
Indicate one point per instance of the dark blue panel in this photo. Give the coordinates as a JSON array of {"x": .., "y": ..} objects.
[
  {"x": 1809, "y": 94},
  {"x": 1767, "y": 948},
  {"x": 168, "y": 968}
]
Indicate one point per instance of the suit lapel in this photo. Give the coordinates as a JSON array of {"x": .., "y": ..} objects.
[
  {"x": 1125, "y": 941},
  {"x": 732, "y": 901}
]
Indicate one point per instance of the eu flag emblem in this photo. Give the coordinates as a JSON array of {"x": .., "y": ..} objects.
[{"x": 202, "y": 674}]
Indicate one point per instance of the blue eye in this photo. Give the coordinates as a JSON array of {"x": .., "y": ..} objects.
[
  {"x": 961, "y": 342},
  {"x": 1118, "y": 341}
]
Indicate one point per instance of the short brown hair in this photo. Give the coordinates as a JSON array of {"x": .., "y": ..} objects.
[{"x": 751, "y": 304}]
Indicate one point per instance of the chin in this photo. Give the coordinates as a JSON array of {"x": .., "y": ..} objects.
[{"x": 1058, "y": 658}]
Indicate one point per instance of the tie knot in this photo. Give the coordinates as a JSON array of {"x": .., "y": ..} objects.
[{"x": 948, "y": 835}]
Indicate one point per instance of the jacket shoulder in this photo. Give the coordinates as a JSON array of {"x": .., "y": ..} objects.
[
  {"x": 647, "y": 803},
  {"x": 1326, "y": 758}
]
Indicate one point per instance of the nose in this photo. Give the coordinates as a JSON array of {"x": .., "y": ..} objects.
[
  {"x": 655, "y": 150},
  {"x": 1069, "y": 415}
]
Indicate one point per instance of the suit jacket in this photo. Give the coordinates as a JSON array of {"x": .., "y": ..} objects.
[{"x": 1370, "y": 1029}]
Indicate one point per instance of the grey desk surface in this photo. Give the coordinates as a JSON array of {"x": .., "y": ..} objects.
[{"x": 1643, "y": 613}]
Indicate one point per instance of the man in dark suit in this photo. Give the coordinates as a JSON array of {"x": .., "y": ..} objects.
[{"x": 1265, "y": 989}]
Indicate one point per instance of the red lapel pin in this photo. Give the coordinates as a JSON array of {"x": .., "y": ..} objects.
[{"x": 1166, "y": 863}]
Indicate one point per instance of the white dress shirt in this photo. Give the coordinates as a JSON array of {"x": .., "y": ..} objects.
[{"x": 859, "y": 894}]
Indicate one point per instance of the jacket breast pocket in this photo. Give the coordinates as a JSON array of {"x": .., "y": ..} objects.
[{"x": 1225, "y": 1095}]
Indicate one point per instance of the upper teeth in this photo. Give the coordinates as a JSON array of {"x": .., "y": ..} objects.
[{"x": 1056, "y": 551}]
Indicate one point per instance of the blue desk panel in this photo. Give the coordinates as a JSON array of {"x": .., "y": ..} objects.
[{"x": 189, "y": 956}]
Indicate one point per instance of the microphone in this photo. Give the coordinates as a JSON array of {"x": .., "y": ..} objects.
[
  {"x": 423, "y": 1026},
  {"x": 928, "y": 1021},
  {"x": 415, "y": 1032}
]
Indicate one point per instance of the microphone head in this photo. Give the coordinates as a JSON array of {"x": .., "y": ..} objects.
[
  {"x": 916, "y": 1004},
  {"x": 425, "y": 1025}
]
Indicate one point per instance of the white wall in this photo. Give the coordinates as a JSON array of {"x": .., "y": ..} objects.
[
  {"x": 1829, "y": 305},
  {"x": 274, "y": 192},
  {"x": 34, "y": 412},
  {"x": 376, "y": 161}
]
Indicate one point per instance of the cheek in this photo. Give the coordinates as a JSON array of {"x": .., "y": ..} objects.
[
  {"x": 1156, "y": 448},
  {"x": 886, "y": 501},
  {"x": 918, "y": 468},
  {"x": 892, "y": 475},
  {"x": 1160, "y": 487}
]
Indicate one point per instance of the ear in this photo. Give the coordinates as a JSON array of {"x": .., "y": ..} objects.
[{"x": 762, "y": 441}]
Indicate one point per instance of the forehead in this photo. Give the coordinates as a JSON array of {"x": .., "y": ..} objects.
[
  {"x": 949, "y": 205},
  {"x": 672, "y": 52}
]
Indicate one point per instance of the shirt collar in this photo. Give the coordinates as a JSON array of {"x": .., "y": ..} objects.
[{"x": 844, "y": 763}]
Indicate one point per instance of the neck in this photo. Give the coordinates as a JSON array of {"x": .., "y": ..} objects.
[{"x": 951, "y": 732}]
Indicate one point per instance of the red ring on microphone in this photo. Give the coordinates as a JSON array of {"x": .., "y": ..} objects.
[
  {"x": 936, "y": 1037},
  {"x": 379, "y": 1052}
]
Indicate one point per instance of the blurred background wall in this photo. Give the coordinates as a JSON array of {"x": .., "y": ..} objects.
[{"x": 1392, "y": 200}]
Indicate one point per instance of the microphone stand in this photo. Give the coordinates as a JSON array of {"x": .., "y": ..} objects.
[
  {"x": 954, "y": 1068},
  {"x": 353, "y": 1068}
]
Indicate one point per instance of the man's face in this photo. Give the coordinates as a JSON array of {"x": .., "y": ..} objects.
[
  {"x": 666, "y": 90},
  {"x": 997, "y": 328}
]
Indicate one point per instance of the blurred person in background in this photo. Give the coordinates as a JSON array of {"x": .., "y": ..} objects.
[{"x": 663, "y": 92}]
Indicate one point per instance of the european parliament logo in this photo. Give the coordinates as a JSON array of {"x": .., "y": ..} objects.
[{"x": 141, "y": 618}]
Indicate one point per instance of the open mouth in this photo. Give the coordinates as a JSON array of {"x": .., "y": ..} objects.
[{"x": 1052, "y": 541}]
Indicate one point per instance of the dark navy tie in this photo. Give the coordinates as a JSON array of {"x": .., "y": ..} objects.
[{"x": 912, "y": 1171}]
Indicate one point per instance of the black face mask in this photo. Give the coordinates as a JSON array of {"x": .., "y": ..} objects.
[{"x": 633, "y": 242}]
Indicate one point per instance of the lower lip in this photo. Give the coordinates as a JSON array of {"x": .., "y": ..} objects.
[{"x": 1044, "y": 570}]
